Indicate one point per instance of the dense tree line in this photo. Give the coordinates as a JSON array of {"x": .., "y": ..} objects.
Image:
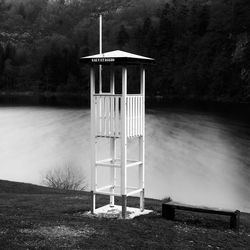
[{"x": 202, "y": 48}]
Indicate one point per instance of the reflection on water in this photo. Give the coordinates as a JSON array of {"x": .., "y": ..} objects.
[{"x": 193, "y": 157}]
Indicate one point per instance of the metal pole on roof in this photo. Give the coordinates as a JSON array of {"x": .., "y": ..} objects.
[
  {"x": 100, "y": 33},
  {"x": 100, "y": 48}
]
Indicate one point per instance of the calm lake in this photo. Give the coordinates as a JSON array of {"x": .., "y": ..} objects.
[{"x": 192, "y": 156}]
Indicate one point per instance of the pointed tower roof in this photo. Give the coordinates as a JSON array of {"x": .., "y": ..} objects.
[{"x": 117, "y": 57}]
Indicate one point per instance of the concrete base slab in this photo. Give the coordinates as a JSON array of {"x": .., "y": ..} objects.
[{"x": 116, "y": 212}]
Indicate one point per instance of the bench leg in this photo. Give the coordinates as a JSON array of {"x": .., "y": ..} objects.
[
  {"x": 168, "y": 212},
  {"x": 235, "y": 220}
]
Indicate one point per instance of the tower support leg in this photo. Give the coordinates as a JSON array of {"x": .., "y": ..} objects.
[
  {"x": 124, "y": 206},
  {"x": 142, "y": 200},
  {"x": 92, "y": 202}
]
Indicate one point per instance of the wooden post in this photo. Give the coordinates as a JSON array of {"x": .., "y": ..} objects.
[
  {"x": 235, "y": 220},
  {"x": 93, "y": 142},
  {"x": 112, "y": 141},
  {"x": 142, "y": 140},
  {"x": 124, "y": 141}
]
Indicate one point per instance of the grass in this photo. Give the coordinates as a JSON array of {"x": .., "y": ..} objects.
[{"x": 34, "y": 217}]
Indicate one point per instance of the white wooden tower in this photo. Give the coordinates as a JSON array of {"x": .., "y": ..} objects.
[{"x": 118, "y": 117}]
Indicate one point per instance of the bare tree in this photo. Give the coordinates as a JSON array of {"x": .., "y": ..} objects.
[{"x": 68, "y": 177}]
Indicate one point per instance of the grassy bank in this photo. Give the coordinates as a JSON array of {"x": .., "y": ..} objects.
[{"x": 34, "y": 217}]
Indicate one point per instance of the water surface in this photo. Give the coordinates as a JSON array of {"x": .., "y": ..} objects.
[{"x": 193, "y": 157}]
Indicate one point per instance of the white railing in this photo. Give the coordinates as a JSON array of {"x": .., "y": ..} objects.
[
  {"x": 134, "y": 116},
  {"x": 107, "y": 115}
]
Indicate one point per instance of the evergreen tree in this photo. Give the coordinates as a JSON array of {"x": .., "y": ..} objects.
[{"x": 122, "y": 37}]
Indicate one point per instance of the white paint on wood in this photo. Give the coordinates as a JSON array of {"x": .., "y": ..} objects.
[
  {"x": 123, "y": 132},
  {"x": 112, "y": 170},
  {"x": 100, "y": 50},
  {"x": 92, "y": 138},
  {"x": 112, "y": 133},
  {"x": 118, "y": 117},
  {"x": 93, "y": 151}
]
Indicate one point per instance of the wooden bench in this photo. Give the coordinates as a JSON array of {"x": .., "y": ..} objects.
[{"x": 168, "y": 212}]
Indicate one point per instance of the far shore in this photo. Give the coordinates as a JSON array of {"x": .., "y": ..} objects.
[{"x": 83, "y": 95}]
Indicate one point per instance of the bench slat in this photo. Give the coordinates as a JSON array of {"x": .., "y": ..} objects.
[
  {"x": 200, "y": 208},
  {"x": 168, "y": 212}
]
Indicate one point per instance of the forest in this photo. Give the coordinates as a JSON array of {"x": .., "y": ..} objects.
[{"x": 201, "y": 47}]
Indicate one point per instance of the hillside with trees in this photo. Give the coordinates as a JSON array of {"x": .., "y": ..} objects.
[{"x": 202, "y": 48}]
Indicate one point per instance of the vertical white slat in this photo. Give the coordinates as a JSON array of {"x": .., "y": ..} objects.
[
  {"x": 136, "y": 125},
  {"x": 119, "y": 115},
  {"x": 95, "y": 114},
  {"x": 116, "y": 115},
  {"x": 114, "y": 99},
  {"x": 108, "y": 116},
  {"x": 133, "y": 115},
  {"x": 139, "y": 108},
  {"x": 100, "y": 114},
  {"x": 141, "y": 115},
  {"x": 129, "y": 116},
  {"x": 133, "y": 103},
  {"x": 111, "y": 116},
  {"x": 103, "y": 115},
  {"x": 136, "y": 115}
]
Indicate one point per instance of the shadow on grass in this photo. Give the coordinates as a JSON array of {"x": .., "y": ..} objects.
[
  {"x": 73, "y": 211},
  {"x": 218, "y": 222}
]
